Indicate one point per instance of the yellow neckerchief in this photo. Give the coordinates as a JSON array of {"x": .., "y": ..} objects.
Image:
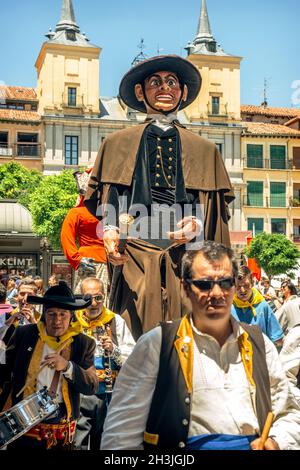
[
  {"x": 88, "y": 325},
  {"x": 256, "y": 299},
  {"x": 73, "y": 330}
]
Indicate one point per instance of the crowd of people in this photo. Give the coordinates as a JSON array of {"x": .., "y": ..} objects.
[
  {"x": 168, "y": 344},
  {"x": 217, "y": 335}
]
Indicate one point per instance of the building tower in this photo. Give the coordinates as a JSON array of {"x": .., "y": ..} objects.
[
  {"x": 219, "y": 98},
  {"x": 68, "y": 69},
  {"x": 217, "y": 108},
  {"x": 68, "y": 94}
]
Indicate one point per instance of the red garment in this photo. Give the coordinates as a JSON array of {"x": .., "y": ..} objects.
[
  {"x": 252, "y": 263},
  {"x": 81, "y": 226}
]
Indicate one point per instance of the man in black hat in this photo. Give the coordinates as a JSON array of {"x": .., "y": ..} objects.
[
  {"x": 52, "y": 353},
  {"x": 157, "y": 163}
]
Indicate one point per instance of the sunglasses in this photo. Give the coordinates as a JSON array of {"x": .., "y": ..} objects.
[
  {"x": 207, "y": 284},
  {"x": 98, "y": 297}
]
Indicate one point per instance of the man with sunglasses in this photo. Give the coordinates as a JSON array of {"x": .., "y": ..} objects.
[
  {"x": 205, "y": 382},
  {"x": 114, "y": 344}
]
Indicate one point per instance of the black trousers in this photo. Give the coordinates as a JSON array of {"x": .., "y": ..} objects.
[{"x": 89, "y": 429}]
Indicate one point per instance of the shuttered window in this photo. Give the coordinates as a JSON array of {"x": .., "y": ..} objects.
[
  {"x": 255, "y": 193},
  {"x": 278, "y": 195},
  {"x": 254, "y": 156},
  {"x": 257, "y": 224},
  {"x": 278, "y": 226},
  {"x": 278, "y": 157}
]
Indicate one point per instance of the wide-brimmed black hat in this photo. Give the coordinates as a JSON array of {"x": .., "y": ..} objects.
[
  {"x": 186, "y": 72},
  {"x": 60, "y": 296}
]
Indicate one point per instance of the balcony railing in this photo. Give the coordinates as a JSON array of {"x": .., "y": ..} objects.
[
  {"x": 5, "y": 150},
  {"x": 296, "y": 238},
  {"x": 267, "y": 163},
  {"x": 66, "y": 103},
  {"x": 217, "y": 110},
  {"x": 258, "y": 200},
  {"x": 27, "y": 150}
]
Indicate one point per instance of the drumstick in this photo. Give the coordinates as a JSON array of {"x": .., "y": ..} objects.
[
  {"x": 58, "y": 351},
  {"x": 266, "y": 430}
]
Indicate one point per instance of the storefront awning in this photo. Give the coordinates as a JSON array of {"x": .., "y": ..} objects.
[{"x": 14, "y": 219}]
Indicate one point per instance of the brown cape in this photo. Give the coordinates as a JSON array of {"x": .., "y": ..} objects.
[{"x": 203, "y": 170}]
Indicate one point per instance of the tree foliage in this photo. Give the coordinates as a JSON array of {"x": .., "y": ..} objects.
[
  {"x": 274, "y": 253},
  {"x": 18, "y": 182},
  {"x": 49, "y": 205}
]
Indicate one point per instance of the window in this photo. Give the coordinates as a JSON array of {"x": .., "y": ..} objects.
[
  {"x": 278, "y": 157},
  {"x": 72, "y": 92},
  {"x": 278, "y": 226},
  {"x": 28, "y": 145},
  {"x": 257, "y": 224},
  {"x": 71, "y": 36},
  {"x": 71, "y": 150},
  {"x": 278, "y": 195},
  {"x": 3, "y": 139},
  {"x": 215, "y": 101},
  {"x": 255, "y": 191},
  {"x": 255, "y": 156},
  {"x": 220, "y": 148}
]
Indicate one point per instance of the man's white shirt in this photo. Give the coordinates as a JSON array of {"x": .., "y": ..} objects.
[{"x": 220, "y": 401}]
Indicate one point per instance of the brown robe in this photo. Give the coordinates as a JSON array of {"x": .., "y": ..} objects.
[{"x": 136, "y": 294}]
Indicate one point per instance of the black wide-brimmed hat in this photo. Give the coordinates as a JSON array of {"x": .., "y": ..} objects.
[
  {"x": 60, "y": 296},
  {"x": 186, "y": 72}
]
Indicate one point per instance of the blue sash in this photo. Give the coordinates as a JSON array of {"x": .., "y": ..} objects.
[{"x": 219, "y": 442}]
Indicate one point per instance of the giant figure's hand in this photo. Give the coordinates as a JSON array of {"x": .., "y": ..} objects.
[
  {"x": 111, "y": 240},
  {"x": 190, "y": 227}
]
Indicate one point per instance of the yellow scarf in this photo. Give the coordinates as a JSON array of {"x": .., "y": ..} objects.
[
  {"x": 73, "y": 330},
  {"x": 88, "y": 325},
  {"x": 256, "y": 299}
]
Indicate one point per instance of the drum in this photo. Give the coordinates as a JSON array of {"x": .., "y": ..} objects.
[{"x": 25, "y": 415}]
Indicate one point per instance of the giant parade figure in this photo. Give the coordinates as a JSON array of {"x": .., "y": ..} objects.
[{"x": 156, "y": 165}]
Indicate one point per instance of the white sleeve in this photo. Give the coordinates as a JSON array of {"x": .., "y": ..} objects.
[
  {"x": 286, "y": 424},
  {"x": 126, "y": 342},
  {"x": 280, "y": 314},
  {"x": 132, "y": 395},
  {"x": 3, "y": 330},
  {"x": 290, "y": 358}
]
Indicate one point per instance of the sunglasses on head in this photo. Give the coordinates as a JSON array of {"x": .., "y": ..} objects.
[{"x": 207, "y": 284}]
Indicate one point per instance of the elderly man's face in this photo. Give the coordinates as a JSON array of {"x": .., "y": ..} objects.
[
  {"x": 57, "y": 321},
  {"x": 94, "y": 289},
  {"x": 213, "y": 304},
  {"x": 163, "y": 92},
  {"x": 244, "y": 288}
]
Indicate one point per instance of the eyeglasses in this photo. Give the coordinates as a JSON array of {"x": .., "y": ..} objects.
[
  {"x": 98, "y": 297},
  {"x": 207, "y": 284}
]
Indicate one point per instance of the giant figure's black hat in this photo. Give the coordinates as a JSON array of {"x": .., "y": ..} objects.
[
  {"x": 186, "y": 72},
  {"x": 60, "y": 296}
]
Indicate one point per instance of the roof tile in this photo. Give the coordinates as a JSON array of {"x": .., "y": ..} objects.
[
  {"x": 269, "y": 111},
  {"x": 19, "y": 93},
  {"x": 269, "y": 129},
  {"x": 16, "y": 115}
]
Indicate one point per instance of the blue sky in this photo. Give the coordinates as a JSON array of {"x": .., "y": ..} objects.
[{"x": 264, "y": 32}]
